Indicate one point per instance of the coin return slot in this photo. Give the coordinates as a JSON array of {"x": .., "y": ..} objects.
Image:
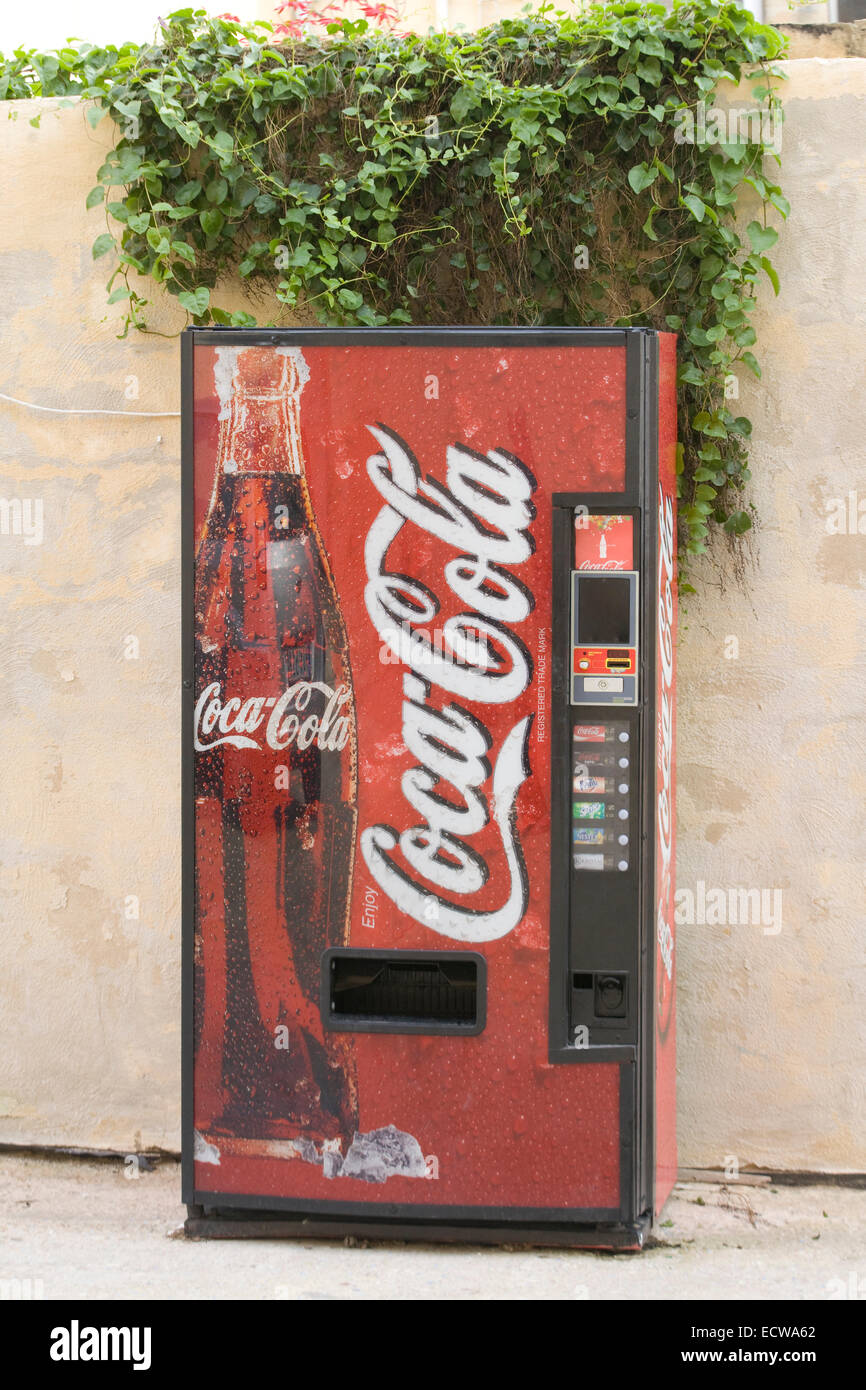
[{"x": 377, "y": 993}]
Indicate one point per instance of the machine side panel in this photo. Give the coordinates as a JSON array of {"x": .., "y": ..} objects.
[{"x": 666, "y": 637}]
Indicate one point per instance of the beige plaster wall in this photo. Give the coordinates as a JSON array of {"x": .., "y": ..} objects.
[
  {"x": 771, "y": 768},
  {"x": 772, "y": 751}
]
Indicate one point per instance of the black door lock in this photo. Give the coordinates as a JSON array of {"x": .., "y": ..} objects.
[{"x": 610, "y": 996}]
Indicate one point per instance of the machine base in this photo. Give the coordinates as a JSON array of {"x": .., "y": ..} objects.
[{"x": 225, "y": 1223}]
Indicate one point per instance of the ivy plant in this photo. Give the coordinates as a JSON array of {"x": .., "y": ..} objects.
[{"x": 552, "y": 169}]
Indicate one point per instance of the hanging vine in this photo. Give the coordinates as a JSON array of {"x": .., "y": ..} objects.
[{"x": 551, "y": 169}]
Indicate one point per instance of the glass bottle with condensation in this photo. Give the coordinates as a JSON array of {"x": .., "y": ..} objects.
[{"x": 276, "y": 776}]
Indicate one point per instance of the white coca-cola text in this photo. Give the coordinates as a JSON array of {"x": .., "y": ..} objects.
[
  {"x": 664, "y": 805},
  {"x": 289, "y": 718},
  {"x": 483, "y": 512}
]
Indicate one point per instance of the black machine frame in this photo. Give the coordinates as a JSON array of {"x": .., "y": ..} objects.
[{"x": 625, "y": 1226}]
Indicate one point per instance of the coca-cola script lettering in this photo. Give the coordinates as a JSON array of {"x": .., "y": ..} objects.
[
  {"x": 664, "y": 815},
  {"x": 483, "y": 512},
  {"x": 290, "y": 720}
]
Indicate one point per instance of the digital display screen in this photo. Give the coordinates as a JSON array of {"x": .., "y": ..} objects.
[{"x": 603, "y": 610}]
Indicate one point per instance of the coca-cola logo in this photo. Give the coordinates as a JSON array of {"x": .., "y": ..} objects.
[
  {"x": 664, "y": 801},
  {"x": 483, "y": 512},
  {"x": 601, "y": 565},
  {"x": 290, "y": 720}
]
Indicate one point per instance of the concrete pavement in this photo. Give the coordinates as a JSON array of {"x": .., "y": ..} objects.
[{"x": 84, "y": 1229}]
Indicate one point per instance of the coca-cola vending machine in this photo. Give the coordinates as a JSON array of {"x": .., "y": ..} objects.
[{"x": 428, "y": 668}]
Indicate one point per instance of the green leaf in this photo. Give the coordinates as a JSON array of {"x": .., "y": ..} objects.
[
  {"x": 650, "y": 45},
  {"x": 216, "y": 191},
  {"x": 158, "y": 241},
  {"x": 761, "y": 238},
  {"x": 95, "y": 197},
  {"x": 212, "y": 221},
  {"x": 189, "y": 132},
  {"x": 649, "y": 71},
  {"x": 751, "y": 362},
  {"x": 696, "y": 206},
  {"x": 690, "y": 375},
  {"x": 737, "y": 523},
  {"x": 196, "y": 301},
  {"x": 462, "y": 104},
  {"x": 769, "y": 270},
  {"x": 187, "y": 192},
  {"x": 640, "y": 176},
  {"x": 102, "y": 244}
]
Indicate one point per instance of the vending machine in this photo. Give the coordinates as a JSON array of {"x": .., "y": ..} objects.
[{"x": 428, "y": 749}]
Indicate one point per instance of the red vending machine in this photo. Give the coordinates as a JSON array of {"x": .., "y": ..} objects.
[{"x": 429, "y": 631}]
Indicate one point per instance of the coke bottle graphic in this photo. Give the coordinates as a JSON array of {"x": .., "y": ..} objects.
[{"x": 275, "y": 776}]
